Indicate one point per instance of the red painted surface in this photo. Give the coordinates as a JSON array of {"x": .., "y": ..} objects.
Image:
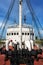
[{"x": 3, "y": 62}]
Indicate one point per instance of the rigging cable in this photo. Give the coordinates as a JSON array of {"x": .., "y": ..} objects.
[
  {"x": 28, "y": 3},
  {"x": 7, "y": 15},
  {"x": 33, "y": 16}
]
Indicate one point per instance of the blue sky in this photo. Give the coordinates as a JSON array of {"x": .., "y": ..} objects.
[{"x": 36, "y": 4}]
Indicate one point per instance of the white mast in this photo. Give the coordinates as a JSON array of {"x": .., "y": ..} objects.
[{"x": 20, "y": 23}]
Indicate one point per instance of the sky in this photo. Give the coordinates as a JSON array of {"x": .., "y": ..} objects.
[{"x": 37, "y": 5}]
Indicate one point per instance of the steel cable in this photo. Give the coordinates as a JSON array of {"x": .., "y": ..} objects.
[{"x": 7, "y": 16}]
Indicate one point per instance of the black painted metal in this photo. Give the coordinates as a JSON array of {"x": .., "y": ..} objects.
[{"x": 23, "y": 56}]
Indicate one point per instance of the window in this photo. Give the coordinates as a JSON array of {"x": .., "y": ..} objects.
[
  {"x": 17, "y": 33},
  {"x": 22, "y": 33},
  {"x": 28, "y": 33},
  {"x": 7, "y": 34},
  {"x": 31, "y": 33},
  {"x": 14, "y": 33}
]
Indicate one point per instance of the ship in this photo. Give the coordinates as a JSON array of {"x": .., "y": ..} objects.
[
  {"x": 20, "y": 33},
  {"x": 19, "y": 45}
]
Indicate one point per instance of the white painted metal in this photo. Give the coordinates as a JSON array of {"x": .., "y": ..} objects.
[
  {"x": 29, "y": 44},
  {"x": 10, "y": 43},
  {"x": 20, "y": 29},
  {"x": 7, "y": 45},
  {"x": 20, "y": 23},
  {"x": 16, "y": 37}
]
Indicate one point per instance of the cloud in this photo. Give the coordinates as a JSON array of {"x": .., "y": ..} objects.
[
  {"x": 0, "y": 24},
  {"x": 41, "y": 31}
]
